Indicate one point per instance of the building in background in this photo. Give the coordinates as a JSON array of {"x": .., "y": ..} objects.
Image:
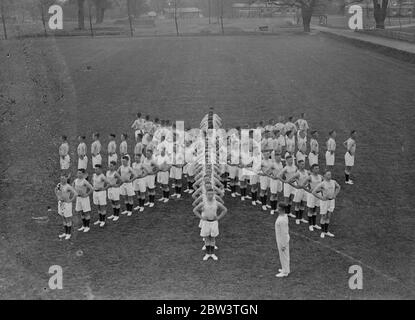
[
  {"x": 261, "y": 9},
  {"x": 182, "y": 13}
]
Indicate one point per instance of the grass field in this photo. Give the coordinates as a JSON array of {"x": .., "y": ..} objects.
[{"x": 46, "y": 91}]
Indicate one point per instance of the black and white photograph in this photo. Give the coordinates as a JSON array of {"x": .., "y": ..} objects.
[{"x": 225, "y": 151}]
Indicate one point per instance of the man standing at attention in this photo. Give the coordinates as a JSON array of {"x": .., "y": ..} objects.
[
  {"x": 96, "y": 150},
  {"x": 283, "y": 241},
  {"x": 82, "y": 157},
  {"x": 314, "y": 149},
  {"x": 329, "y": 189},
  {"x": 350, "y": 145},
  {"x": 65, "y": 160}
]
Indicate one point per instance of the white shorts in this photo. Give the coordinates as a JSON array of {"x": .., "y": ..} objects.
[
  {"x": 82, "y": 204},
  {"x": 300, "y": 196},
  {"x": 100, "y": 198},
  {"x": 349, "y": 160},
  {"x": 209, "y": 228},
  {"x": 288, "y": 190},
  {"x": 163, "y": 177},
  {"x": 312, "y": 158},
  {"x": 113, "y": 157},
  {"x": 275, "y": 186},
  {"x": 200, "y": 223},
  {"x": 83, "y": 163},
  {"x": 150, "y": 181},
  {"x": 126, "y": 189},
  {"x": 264, "y": 182},
  {"x": 114, "y": 194},
  {"x": 140, "y": 185},
  {"x": 312, "y": 201},
  {"x": 96, "y": 160},
  {"x": 253, "y": 179},
  {"x": 65, "y": 162},
  {"x": 242, "y": 174},
  {"x": 329, "y": 159},
  {"x": 176, "y": 173},
  {"x": 233, "y": 172},
  {"x": 65, "y": 209},
  {"x": 327, "y": 206}
]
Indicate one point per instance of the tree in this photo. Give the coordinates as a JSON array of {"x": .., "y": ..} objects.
[
  {"x": 137, "y": 7},
  {"x": 100, "y": 7},
  {"x": 81, "y": 14},
  {"x": 156, "y": 5},
  {"x": 3, "y": 16},
  {"x": 307, "y": 9},
  {"x": 380, "y": 12}
]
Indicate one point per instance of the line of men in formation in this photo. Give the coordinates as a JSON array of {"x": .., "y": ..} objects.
[
  {"x": 208, "y": 204},
  {"x": 151, "y": 163}
]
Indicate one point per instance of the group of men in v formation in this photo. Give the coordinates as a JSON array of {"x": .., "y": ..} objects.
[{"x": 282, "y": 174}]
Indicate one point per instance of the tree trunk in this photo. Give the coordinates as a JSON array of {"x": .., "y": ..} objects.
[
  {"x": 90, "y": 19},
  {"x": 42, "y": 9},
  {"x": 306, "y": 13},
  {"x": 81, "y": 14},
  {"x": 132, "y": 7},
  {"x": 380, "y": 13},
  {"x": 3, "y": 19},
  {"x": 175, "y": 18}
]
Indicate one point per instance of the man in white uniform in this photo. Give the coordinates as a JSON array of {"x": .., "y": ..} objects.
[
  {"x": 329, "y": 189},
  {"x": 65, "y": 194},
  {"x": 350, "y": 145},
  {"x": 81, "y": 150},
  {"x": 64, "y": 158},
  {"x": 96, "y": 150},
  {"x": 283, "y": 241},
  {"x": 331, "y": 148}
]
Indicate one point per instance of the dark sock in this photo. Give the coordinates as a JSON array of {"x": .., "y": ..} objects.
[
  {"x": 327, "y": 227},
  {"x": 167, "y": 193},
  {"x": 314, "y": 219},
  {"x": 179, "y": 190},
  {"x": 300, "y": 214},
  {"x": 69, "y": 230},
  {"x": 129, "y": 207},
  {"x": 273, "y": 204},
  {"x": 347, "y": 176},
  {"x": 87, "y": 221},
  {"x": 189, "y": 184},
  {"x": 176, "y": 189},
  {"x": 84, "y": 222},
  {"x": 151, "y": 198},
  {"x": 310, "y": 220},
  {"x": 66, "y": 229},
  {"x": 287, "y": 209},
  {"x": 254, "y": 195},
  {"x": 115, "y": 211},
  {"x": 225, "y": 183},
  {"x": 297, "y": 214}
]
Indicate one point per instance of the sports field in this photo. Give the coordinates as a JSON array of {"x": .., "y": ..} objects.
[{"x": 47, "y": 90}]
